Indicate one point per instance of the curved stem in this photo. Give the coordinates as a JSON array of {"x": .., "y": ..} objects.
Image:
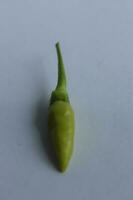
[
  {"x": 60, "y": 92},
  {"x": 61, "y": 84}
]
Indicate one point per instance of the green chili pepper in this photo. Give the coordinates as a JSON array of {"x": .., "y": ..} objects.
[{"x": 61, "y": 118}]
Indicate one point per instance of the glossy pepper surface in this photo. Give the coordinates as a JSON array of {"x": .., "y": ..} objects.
[{"x": 61, "y": 121}]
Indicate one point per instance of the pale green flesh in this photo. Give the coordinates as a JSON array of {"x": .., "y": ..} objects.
[{"x": 61, "y": 128}]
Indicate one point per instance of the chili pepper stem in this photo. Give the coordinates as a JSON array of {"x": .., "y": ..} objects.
[
  {"x": 60, "y": 92},
  {"x": 61, "y": 84}
]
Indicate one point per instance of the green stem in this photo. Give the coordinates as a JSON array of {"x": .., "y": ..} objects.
[
  {"x": 61, "y": 84},
  {"x": 60, "y": 92}
]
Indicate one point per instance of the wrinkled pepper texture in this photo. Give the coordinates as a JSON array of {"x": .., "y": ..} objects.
[{"x": 61, "y": 122}]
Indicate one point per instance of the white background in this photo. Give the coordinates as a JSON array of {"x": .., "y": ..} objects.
[{"x": 96, "y": 37}]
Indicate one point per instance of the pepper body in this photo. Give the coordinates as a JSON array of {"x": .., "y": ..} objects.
[
  {"x": 61, "y": 123},
  {"x": 61, "y": 129}
]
